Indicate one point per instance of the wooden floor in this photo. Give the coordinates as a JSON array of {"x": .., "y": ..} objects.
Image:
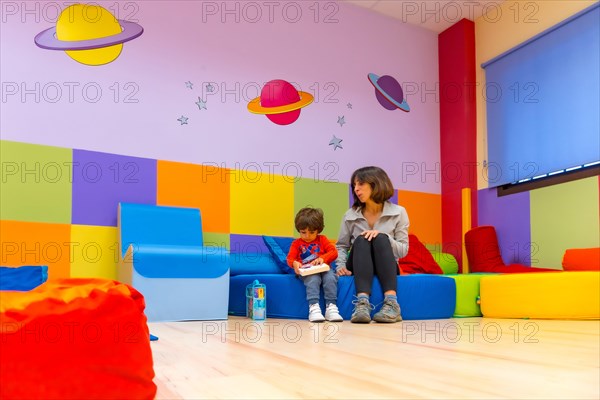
[{"x": 452, "y": 358}]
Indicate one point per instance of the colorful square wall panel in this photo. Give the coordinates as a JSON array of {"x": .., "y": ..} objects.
[
  {"x": 219, "y": 240},
  {"x": 102, "y": 180},
  {"x": 262, "y": 204},
  {"x": 36, "y": 183},
  {"x": 563, "y": 217},
  {"x": 198, "y": 186},
  {"x": 425, "y": 214},
  {"x": 94, "y": 251},
  {"x": 510, "y": 216},
  {"x": 34, "y": 243},
  {"x": 248, "y": 244},
  {"x": 328, "y": 196}
]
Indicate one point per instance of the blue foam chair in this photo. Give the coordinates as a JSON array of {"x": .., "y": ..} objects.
[{"x": 162, "y": 256}]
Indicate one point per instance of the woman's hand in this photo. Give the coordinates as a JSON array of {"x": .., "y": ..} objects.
[
  {"x": 370, "y": 234},
  {"x": 343, "y": 271}
]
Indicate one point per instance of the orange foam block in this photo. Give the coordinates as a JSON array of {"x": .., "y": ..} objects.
[{"x": 582, "y": 259}]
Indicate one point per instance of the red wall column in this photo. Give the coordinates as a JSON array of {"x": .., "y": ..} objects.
[{"x": 458, "y": 129}]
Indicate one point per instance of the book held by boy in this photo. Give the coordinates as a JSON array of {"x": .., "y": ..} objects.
[{"x": 309, "y": 269}]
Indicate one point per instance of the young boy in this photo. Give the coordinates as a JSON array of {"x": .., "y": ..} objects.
[{"x": 314, "y": 248}]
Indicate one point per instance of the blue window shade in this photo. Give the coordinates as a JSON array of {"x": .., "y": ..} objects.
[{"x": 543, "y": 102}]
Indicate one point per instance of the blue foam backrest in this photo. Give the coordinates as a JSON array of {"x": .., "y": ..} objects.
[
  {"x": 150, "y": 224},
  {"x": 22, "y": 278}
]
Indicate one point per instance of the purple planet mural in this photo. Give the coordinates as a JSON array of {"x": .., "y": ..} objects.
[{"x": 388, "y": 92}]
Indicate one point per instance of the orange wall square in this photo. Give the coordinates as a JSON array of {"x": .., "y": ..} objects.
[
  {"x": 197, "y": 186},
  {"x": 34, "y": 243},
  {"x": 425, "y": 214}
]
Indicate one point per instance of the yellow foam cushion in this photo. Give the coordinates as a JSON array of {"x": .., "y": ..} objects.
[{"x": 547, "y": 295}]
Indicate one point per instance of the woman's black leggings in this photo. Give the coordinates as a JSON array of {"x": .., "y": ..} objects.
[{"x": 373, "y": 257}]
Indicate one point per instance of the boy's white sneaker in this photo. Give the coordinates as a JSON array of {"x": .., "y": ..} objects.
[
  {"x": 314, "y": 313},
  {"x": 332, "y": 313}
]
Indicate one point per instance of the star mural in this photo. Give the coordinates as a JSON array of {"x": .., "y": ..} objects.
[
  {"x": 201, "y": 104},
  {"x": 335, "y": 142}
]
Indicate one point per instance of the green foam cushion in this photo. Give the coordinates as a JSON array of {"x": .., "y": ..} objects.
[
  {"x": 446, "y": 261},
  {"x": 467, "y": 294}
]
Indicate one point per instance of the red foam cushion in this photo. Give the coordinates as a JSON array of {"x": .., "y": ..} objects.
[
  {"x": 418, "y": 260},
  {"x": 75, "y": 339},
  {"x": 582, "y": 259},
  {"x": 482, "y": 249},
  {"x": 484, "y": 254}
]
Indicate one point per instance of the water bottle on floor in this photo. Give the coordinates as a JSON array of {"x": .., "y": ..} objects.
[{"x": 256, "y": 301}]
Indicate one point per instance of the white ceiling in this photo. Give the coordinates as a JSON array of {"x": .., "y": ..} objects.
[{"x": 435, "y": 15}]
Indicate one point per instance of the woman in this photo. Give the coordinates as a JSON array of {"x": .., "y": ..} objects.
[{"x": 376, "y": 233}]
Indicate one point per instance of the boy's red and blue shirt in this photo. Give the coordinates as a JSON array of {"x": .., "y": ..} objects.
[{"x": 306, "y": 252}]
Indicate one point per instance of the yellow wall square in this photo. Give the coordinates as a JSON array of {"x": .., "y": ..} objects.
[
  {"x": 94, "y": 251},
  {"x": 262, "y": 204}
]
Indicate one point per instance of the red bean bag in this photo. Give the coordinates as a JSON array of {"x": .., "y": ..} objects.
[
  {"x": 418, "y": 260},
  {"x": 484, "y": 254},
  {"x": 582, "y": 259},
  {"x": 75, "y": 339}
]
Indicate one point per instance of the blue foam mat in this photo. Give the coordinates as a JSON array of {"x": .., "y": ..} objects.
[
  {"x": 22, "y": 278},
  {"x": 420, "y": 296}
]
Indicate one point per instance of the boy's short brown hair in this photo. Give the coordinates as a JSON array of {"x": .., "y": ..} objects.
[{"x": 310, "y": 218}]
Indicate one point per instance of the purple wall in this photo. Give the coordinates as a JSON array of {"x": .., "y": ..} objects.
[
  {"x": 131, "y": 105},
  {"x": 510, "y": 216},
  {"x": 101, "y": 181}
]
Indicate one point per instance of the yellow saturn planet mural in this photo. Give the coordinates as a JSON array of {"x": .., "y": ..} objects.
[{"x": 89, "y": 34}]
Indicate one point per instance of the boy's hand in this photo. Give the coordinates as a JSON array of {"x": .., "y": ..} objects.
[
  {"x": 318, "y": 261},
  {"x": 296, "y": 265}
]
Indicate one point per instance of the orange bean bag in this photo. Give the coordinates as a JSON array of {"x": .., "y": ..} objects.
[
  {"x": 75, "y": 339},
  {"x": 582, "y": 259}
]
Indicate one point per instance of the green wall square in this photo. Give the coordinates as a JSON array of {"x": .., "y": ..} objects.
[
  {"x": 563, "y": 217},
  {"x": 220, "y": 240},
  {"x": 36, "y": 183},
  {"x": 331, "y": 197}
]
